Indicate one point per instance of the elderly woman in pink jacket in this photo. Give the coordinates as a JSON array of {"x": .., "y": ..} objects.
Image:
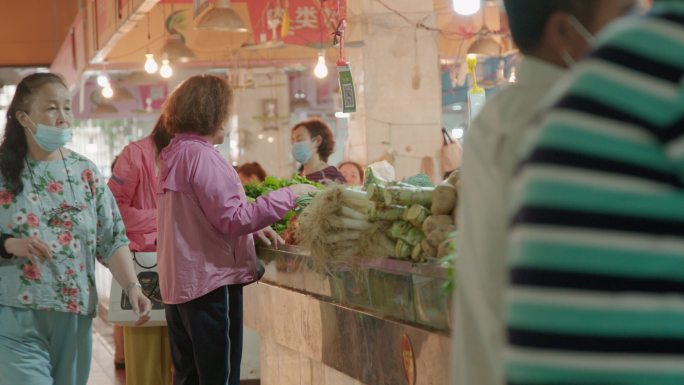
[
  {"x": 134, "y": 186},
  {"x": 205, "y": 243}
]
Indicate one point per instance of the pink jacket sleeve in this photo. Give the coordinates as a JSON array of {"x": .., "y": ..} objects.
[
  {"x": 123, "y": 183},
  {"x": 220, "y": 195}
]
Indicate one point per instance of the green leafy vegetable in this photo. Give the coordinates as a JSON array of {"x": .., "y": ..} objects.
[
  {"x": 419, "y": 180},
  {"x": 449, "y": 261},
  {"x": 271, "y": 183}
]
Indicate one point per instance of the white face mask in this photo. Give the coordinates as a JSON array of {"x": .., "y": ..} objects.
[
  {"x": 583, "y": 31},
  {"x": 586, "y": 35},
  {"x": 568, "y": 59}
]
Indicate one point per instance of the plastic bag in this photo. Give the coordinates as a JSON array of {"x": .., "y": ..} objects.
[
  {"x": 383, "y": 170},
  {"x": 451, "y": 153}
]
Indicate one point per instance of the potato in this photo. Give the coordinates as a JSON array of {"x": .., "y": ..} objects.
[
  {"x": 454, "y": 178},
  {"x": 435, "y": 222},
  {"x": 429, "y": 251},
  {"x": 444, "y": 199},
  {"x": 438, "y": 236},
  {"x": 445, "y": 248}
]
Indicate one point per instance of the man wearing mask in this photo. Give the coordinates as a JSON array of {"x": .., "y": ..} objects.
[
  {"x": 596, "y": 253},
  {"x": 552, "y": 35}
]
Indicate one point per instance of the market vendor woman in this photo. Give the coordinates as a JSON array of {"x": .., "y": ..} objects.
[
  {"x": 312, "y": 144},
  {"x": 58, "y": 217}
]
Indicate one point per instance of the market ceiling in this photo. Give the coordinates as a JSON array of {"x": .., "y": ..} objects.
[
  {"x": 33, "y": 30},
  {"x": 309, "y": 31},
  {"x": 264, "y": 41}
]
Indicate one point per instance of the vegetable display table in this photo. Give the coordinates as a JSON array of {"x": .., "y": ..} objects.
[{"x": 384, "y": 323}]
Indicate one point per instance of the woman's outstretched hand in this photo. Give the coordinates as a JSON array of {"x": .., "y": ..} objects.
[
  {"x": 302, "y": 189},
  {"x": 269, "y": 237}
]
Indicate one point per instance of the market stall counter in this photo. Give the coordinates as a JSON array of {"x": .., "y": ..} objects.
[{"x": 386, "y": 322}]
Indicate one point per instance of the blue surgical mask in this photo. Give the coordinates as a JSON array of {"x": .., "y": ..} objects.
[
  {"x": 301, "y": 151},
  {"x": 50, "y": 138}
]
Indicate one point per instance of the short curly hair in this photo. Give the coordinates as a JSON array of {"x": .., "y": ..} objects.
[
  {"x": 200, "y": 105},
  {"x": 253, "y": 168},
  {"x": 316, "y": 127}
]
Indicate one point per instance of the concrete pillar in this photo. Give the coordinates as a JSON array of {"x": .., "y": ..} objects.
[{"x": 397, "y": 80}]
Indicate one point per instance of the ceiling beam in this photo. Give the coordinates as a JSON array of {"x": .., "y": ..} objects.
[{"x": 126, "y": 27}]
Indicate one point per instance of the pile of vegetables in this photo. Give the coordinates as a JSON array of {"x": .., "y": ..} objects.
[
  {"x": 411, "y": 220},
  {"x": 284, "y": 227},
  {"x": 439, "y": 228},
  {"x": 335, "y": 229},
  {"x": 422, "y": 218}
]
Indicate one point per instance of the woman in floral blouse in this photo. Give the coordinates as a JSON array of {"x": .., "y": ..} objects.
[{"x": 58, "y": 217}]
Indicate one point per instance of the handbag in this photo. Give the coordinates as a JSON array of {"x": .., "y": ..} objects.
[
  {"x": 451, "y": 153},
  {"x": 120, "y": 309}
]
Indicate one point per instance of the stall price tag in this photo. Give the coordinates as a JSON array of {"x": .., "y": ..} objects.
[
  {"x": 408, "y": 360},
  {"x": 347, "y": 88}
]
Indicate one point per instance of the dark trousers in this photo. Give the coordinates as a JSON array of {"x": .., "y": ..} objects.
[{"x": 205, "y": 335}]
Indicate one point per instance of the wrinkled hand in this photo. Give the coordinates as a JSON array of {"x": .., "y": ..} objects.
[
  {"x": 302, "y": 189},
  {"x": 33, "y": 248},
  {"x": 141, "y": 305},
  {"x": 269, "y": 236}
]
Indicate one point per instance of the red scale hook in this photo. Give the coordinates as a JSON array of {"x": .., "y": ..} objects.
[{"x": 339, "y": 38}]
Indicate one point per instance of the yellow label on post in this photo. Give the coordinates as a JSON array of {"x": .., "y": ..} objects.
[{"x": 476, "y": 95}]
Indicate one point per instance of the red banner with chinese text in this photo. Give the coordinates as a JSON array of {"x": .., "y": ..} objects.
[{"x": 306, "y": 21}]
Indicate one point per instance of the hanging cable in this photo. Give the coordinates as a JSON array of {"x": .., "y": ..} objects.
[{"x": 151, "y": 65}]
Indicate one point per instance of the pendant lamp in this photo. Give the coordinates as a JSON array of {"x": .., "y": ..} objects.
[
  {"x": 105, "y": 108},
  {"x": 221, "y": 18},
  {"x": 485, "y": 45},
  {"x": 176, "y": 50}
]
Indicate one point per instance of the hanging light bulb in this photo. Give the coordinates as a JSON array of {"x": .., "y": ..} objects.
[
  {"x": 102, "y": 80},
  {"x": 107, "y": 91},
  {"x": 165, "y": 71},
  {"x": 466, "y": 7},
  {"x": 321, "y": 70},
  {"x": 150, "y": 64}
]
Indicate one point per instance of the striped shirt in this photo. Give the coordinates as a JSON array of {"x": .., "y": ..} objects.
[{"x": 597, "y": 242}]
